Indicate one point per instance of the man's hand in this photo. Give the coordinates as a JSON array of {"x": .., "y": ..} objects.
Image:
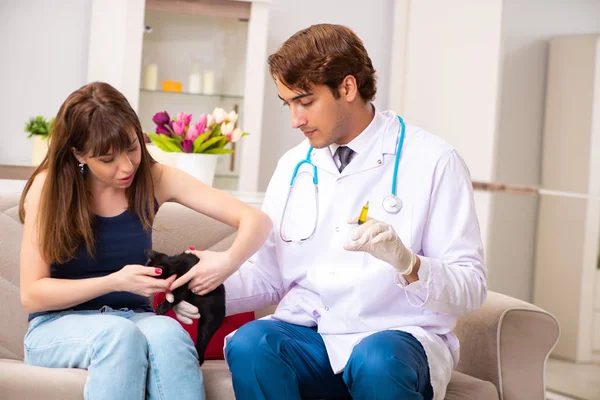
[{"x": 381, "y": 241}]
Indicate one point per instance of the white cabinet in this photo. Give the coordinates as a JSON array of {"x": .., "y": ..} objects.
[
  {"x": 224, "y": 41},
  {"x": 568, "y": 230}
]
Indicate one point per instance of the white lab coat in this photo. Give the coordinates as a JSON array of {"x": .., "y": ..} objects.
[{"x": 350, "y": 295}]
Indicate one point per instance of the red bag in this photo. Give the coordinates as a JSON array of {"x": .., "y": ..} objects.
[{"x": 214, "y": 350}]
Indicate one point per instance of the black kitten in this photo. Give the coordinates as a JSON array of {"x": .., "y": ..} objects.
[{"x": 211, "y": 305}]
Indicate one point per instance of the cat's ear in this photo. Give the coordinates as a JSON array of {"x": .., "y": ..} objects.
[{"x": 151, "y": 255}]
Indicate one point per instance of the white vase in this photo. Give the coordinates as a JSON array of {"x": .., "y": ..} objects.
[
  {"x": 39, "y": 150},
  {"x": 161, "y": 156},
  {"x": 200, "y": 166}
]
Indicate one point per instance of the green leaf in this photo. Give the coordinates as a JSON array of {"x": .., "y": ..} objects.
[
  {"x": 165, "y": 143},
  {"x": 178, "y": 138},
  {"x": 210, "y": 142},
  {"x": 38, "y": 125},
  {"x": 200, "y": 140},
  {"x": 216, "y": 131},
  {"x": 218, "y": 151},
  {"x": 222, "y": 142}
]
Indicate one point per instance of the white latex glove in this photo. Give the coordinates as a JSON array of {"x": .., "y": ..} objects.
[
  {"x": 185, "y": 311},
  {"x": 381, "y": 241}
]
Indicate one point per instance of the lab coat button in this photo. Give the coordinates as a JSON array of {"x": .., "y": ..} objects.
[
  {"x": 326, "y": 308},
  {"x": 379, "y": 162},
  {"x": 337, "y": 228}
]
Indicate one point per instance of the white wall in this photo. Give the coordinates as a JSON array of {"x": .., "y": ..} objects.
[
  {"x": 448, "y": 84},
  {"x": 526, "y": 30},
  {"x": 115, "y": 45},
  {"x": 372, "y": 22},
  {"x": 44, "y": 51}
]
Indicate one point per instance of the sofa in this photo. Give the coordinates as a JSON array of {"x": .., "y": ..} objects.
[{"x": 504, "y": 344}]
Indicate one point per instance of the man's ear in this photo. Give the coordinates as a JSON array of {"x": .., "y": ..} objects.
[{"x": 348, "y": 88}]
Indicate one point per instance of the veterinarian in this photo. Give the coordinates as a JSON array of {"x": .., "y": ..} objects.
[{"x": 363, "y": 310}]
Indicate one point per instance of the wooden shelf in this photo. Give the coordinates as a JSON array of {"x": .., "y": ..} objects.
[
  {"x": 211, "y": 8},
  {"x": 218, "y": 95}
]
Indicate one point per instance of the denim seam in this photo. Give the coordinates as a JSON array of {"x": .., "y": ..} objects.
[
  {"x": 50, "y": 345},
  {"x": 152, "y": 363},
  {"x": 90, "y": 354},
  {"x": 92, "y": 357}
]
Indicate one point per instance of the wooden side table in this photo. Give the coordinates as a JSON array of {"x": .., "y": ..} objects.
[{"x": 16, "y": 171}]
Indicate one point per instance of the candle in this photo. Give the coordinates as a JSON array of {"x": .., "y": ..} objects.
[
  {"x": 194, "y": 83},
  {"x": 151, "y": 77},
  {"x": 208, "y": 81}
]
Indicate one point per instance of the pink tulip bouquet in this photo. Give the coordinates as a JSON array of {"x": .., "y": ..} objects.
[{"x": 209, "y": 135}]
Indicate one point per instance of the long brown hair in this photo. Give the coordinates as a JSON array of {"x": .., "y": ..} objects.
[
  {"x": 94, "y": 119},
  {"x": 324, "y": 54}
]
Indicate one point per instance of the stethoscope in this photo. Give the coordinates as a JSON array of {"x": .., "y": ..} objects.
[{"x": 391, "y": 203}]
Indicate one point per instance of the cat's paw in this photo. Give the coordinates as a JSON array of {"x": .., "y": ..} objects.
[{"x": 162, "y": 308}]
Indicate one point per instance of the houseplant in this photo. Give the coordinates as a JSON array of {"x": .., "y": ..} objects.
[
  {"x": 194, "y": 148},
  {"x": 40, "y": 129}
]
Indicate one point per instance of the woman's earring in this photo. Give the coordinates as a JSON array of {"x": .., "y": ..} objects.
[{"x": 81, "y": 169}]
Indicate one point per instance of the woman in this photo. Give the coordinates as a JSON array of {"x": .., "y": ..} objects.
[{"x": 88, "y": 211}]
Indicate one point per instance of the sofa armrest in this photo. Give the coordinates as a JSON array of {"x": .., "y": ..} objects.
[{"x": 507, "y": 342}]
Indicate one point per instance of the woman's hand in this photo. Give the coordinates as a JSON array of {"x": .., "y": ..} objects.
[
  {"x": 212, "y": 270},
  {"x": 140, "y": 279}
]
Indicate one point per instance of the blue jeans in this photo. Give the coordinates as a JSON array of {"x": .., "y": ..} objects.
[
  {"x": 128, "y": 355},
  {"x": 275, "y": 360}
]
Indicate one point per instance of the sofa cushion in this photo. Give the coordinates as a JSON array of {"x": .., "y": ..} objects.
[
  {"x": 217, "y": 381},
  {"x": 61, "y": 383},
  {"x": 214, "y": 350},
  {"x": 218, "y": 385},
  {"x": 21, "y": 381},
  {"x": 177, "y": 227},
  {"x": 465, "y": 387},
  {"x": 12, "y": 317}
]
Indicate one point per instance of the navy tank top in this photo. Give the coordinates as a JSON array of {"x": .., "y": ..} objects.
[{"x": 120, "y": 240}]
